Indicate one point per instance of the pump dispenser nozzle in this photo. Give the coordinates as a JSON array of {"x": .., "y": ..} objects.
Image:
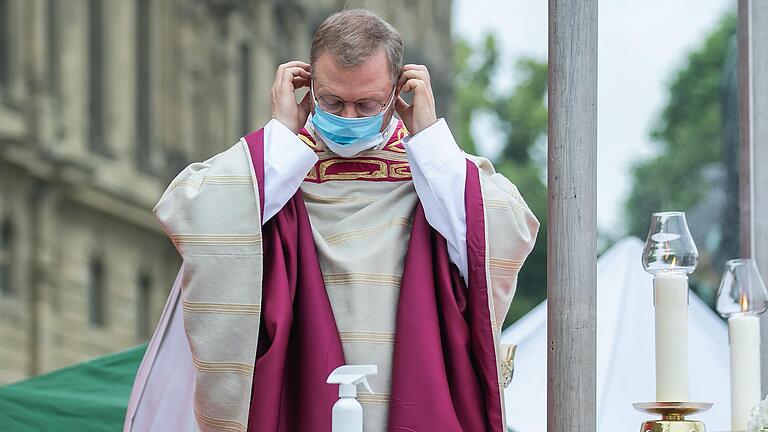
[{"x": 347, "y": 412}]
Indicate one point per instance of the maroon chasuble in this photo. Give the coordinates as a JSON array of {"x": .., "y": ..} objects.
[{"x": 444, "y": 365}]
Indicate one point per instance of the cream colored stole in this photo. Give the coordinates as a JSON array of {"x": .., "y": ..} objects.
[{"x": 361, "y": 231}]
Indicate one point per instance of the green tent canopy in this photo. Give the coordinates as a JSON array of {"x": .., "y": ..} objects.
[{"x": 89, "y": 396}]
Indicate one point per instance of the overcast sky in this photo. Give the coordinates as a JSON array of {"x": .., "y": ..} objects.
[{"x": 641, "y": 45}]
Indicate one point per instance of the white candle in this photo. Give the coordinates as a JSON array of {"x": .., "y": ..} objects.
[
  {"x": 670, "y": 298},
  {"x": 744, "y": 336}
]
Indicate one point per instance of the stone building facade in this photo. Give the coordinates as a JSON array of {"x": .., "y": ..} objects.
[{"x": 102, "y": 102}]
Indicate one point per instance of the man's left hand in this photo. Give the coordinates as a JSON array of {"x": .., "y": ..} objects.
[{"x": 421, "y": 114}]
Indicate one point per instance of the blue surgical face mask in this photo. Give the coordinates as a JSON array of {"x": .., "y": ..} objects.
[{"x": 348, "y": 136}]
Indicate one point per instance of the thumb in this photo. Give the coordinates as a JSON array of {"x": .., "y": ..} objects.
[
  {"x": 304, "y": 107},
  {"x": 401, "y": 105}
]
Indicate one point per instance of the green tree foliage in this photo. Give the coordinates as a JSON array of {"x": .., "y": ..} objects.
[
  {"x": 696, "y": 135},
  {"x": 688, "y": 135},
  {"x": 520, "y": 116}
]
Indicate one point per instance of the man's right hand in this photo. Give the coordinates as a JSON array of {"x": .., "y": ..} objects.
[{"x": 290, "y": 77}]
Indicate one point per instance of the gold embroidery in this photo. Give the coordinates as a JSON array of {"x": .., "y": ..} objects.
[
  {"x": 394, "y": 148},
  {"x": 366, "y": 336},
  {"x": 308, "y": 141},
  {"x": 378, "y": 398},
  {"x": 363, "y": 278},
  {"x": 507, "y": 364},
  {"x": 222, "y": 367},
  {"x": 504, "y": 264},
  {"x": 400, "y": 170},
  {"x": 401, "y": 133},
  {"x": 312, "y": 174},
  {"x": 219, "y": 423},
  {"x": 342, "y": 237},
  {"x": 225, "y": 308},
  {"x": 380, "y": 172},
  {"x": 333, "y": 200},
  {"x": 216, "y": 239},
  {"x": 383, "y": 154}
]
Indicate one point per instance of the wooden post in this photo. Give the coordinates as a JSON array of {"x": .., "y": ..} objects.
[
  {"x": 572, "y": 217},
  {"x": 753, "y": 134}
]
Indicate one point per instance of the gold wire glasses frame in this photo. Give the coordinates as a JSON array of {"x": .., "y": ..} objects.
[{"x": 364, "y": 107}]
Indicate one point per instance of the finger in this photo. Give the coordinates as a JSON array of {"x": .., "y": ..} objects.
[
  {"x": 290, "y": 65},
  {"x": 414, "y": 85},
  {"x": 413, "y": 74},
  {"x": 304, "y": 107},
  {"x": 414, "y": 67},
  {"x": 295, "y": 63},
  {"x": 296, "y": 72},
  {"x": 289, "y": 74},
  {"x": 299, "y": 82}
]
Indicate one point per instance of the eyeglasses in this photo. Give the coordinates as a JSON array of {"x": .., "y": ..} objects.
[{"x": 364, "y": 107}]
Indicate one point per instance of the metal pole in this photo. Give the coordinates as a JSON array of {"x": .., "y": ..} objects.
[
  {"x": 753, "y": 134},
  {"x": 572, "y": 217}
]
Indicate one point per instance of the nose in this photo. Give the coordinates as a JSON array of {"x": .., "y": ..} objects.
[{"x": 349, "y": 110}]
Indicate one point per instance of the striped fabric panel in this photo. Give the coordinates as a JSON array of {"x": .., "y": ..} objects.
[
  {"x": 366, "y": 278},
  {"x": 497, "y": 325},
  {"x": 332, "y": 200},
  {"x": 518, "y": 208},
  {"x": 213, "y": 179},
  {"x": 378, "y": 398},
  {"x": 504, "y": 264},
  {"x": 222, "y": 367},
  {"x": 216, "y": 239},
  {"x": 365, "y": 232},
  {"x": 229, "y": 179},
  {"x": 225, "y": 308},
  {"x": 185, "y": 183},
  {"x": 515, "y": 208},
  {"x": 219, "y": 425},
  {"x": 497, "y": 204},
  {"x": 367, "y": 336}
]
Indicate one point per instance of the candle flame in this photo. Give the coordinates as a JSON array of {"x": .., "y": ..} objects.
[{"x": 744, "y": 302}]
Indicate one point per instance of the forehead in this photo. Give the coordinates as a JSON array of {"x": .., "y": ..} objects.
[{"x": 370, "y": 79}]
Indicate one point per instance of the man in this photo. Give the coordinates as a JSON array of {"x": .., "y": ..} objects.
[{"x": 337, "y": 234}]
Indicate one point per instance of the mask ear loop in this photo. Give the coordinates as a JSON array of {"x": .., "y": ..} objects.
[
  {"x": 391, "y": 98},
  {"x": 312, "y": 91}
]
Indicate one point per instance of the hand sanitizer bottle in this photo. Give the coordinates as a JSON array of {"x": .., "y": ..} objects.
[{"x": 347, "y": 411}]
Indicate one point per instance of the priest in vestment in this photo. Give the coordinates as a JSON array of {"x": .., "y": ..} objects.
[{"x": 337, "y": 234}]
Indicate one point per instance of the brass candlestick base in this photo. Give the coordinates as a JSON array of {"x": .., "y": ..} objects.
[{"x": 673, "y": 416}]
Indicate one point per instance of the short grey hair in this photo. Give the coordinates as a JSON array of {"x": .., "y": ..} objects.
[{"x": 353, "y": 36}]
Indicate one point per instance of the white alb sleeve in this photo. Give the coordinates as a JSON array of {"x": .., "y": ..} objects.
[
  {"x": 287, "y": 160},
  {"x": 439, "y": 172}
]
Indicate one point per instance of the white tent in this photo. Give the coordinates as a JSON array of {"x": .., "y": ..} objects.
[{"x": 625, "y": 352}]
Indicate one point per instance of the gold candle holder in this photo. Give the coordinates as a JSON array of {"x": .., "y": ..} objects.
[{"x": 673, "y": 416}]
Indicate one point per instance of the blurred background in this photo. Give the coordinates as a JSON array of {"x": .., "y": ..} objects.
[{"x": 103, "y": 102}]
